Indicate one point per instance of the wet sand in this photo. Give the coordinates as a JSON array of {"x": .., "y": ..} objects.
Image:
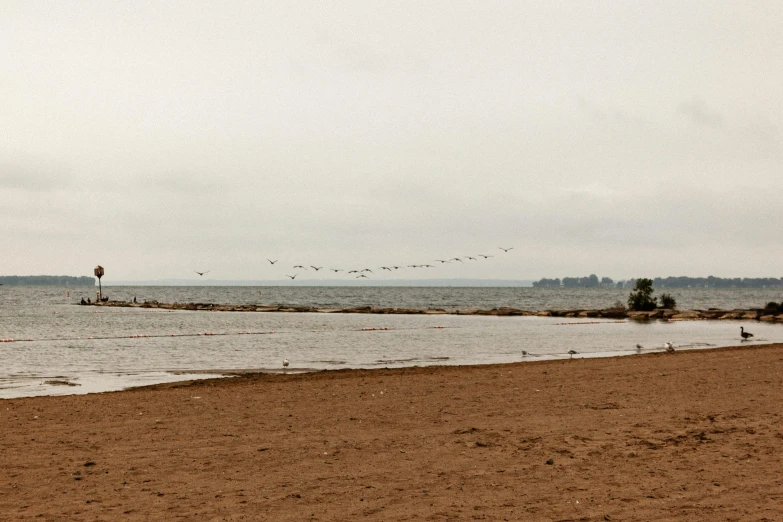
[{"x": 691, "y": 435}]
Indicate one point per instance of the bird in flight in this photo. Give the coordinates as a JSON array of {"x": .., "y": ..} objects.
[
  {"x": 272, "y": 262},
  {"x": 505, "y": 249},
  {"x": 316, "y": 268},
  {"x": 456, "y": 259},
  {"x": 362, "y": 275},
  {"x": 201, "y": 273},
  {"x": 300, "y": 266},
  {"x": 484, "y": 256},
  {"x": 441, "y": 261},
  {"x": 336, "y": 270},
  {"x": 473, "y": 258},
  {"x": 292, "y": 276}
]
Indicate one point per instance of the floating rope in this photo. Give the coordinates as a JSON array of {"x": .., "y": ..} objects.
[
  {"x": 204, "y": 334},
  {"x": 588, "y": 322}
]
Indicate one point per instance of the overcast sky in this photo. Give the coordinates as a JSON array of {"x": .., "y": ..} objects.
[{"x": 627, "y": 139}]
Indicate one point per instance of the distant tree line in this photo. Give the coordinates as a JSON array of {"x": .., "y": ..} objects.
[
  {"x": 45, "y": 280},
  {"x": 592, "y": 281}
]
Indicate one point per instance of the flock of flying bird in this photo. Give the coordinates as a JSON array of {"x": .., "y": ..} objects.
[{"x": 362, "y": 273}]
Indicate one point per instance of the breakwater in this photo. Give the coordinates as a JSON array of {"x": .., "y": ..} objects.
[{"x": 752, "y": 314}]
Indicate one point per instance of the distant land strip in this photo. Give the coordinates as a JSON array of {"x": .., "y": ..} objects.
[
  {"x": 773, "y": 315},
  {"x": 47, "y": 280},
  {"x": 592, "y": 281}
]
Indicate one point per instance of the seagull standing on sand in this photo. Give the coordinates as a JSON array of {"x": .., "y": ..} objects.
[
  {"x": 669, "y": 346},
  {"x": 745, "y": 335}
]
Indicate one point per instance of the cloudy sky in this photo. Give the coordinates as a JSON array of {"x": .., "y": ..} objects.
[{"x": 627, "y": 139}]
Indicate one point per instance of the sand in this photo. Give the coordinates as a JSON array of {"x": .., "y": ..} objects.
[{"x": 685, "y": 436}]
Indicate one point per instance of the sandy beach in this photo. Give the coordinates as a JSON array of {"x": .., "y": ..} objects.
[{"x": 693, "y": 435}]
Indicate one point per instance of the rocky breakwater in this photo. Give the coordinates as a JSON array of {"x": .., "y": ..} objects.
[{"x": 662, "y": 314}]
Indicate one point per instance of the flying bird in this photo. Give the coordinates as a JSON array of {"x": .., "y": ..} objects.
[
  {"x": 201, "y": 273},
  {"x": 472, "y": 258},
  {"x": 300, "y": 266},
  {"x": 336, "y": 269},
  {"x": 441, "y": 261},
  {"x": 272, "y": 262},
  {"x": 505, "y": 249},
  {"x": 745, "y": 335},
  {"x": 316, "y": 268},
  {"x": 456, "y": 259},
  {"x": 292, "y": 276},
  {"x": 362, "y": 275},
  {"x": 485, "y": 257}
]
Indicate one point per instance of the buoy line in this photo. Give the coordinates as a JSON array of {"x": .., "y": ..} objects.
[
  {"x": 200, "y": 334},
  {"x": 588, "y": 322}
]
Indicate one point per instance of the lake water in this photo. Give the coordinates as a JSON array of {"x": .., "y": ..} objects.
[{"x": 103, "y": 349}]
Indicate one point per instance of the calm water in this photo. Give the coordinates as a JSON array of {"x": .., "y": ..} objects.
[{"x": 109, "y": 349}]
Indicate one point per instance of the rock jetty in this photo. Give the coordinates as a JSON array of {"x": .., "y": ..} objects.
[{"x": 752, "y": 314}]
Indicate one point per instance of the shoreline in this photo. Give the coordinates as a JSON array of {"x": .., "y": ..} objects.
[
  {"x": 662, "y": 436},
  {"x": 747, "y": 314}
]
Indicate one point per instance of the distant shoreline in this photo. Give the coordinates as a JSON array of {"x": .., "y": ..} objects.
[{"x": 47, "y": 280}]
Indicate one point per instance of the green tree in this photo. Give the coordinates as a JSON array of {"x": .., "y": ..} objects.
[
  {"x": 641, "y": 299},
  {"x": 667, "y": 301}
]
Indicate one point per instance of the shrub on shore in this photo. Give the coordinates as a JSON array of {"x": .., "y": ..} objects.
[
  {"x": 641, "y": 299},
  {"x": 667, "y": 301}
]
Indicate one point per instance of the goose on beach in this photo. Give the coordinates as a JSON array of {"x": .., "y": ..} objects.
[{"x": 745, "y": 335}]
